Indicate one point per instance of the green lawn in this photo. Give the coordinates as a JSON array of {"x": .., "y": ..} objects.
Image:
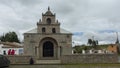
[
  {"x": 92, "y": 66},
  {"x": 68, "y": 66}
]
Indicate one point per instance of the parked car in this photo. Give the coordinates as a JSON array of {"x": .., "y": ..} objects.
[{"x": 4, "y": 62}]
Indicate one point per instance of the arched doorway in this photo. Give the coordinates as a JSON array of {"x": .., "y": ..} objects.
[{"x": 48, "y": 49}]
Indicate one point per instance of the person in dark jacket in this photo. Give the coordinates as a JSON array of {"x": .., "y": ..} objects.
[
  {"x": 31, "y": 61},
  {"x": 4, "y": 52}
]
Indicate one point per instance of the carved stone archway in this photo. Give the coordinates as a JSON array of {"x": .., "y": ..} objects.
[{"x": 48, "y": 48}]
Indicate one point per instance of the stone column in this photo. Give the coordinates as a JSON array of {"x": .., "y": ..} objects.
[
  {"x": 59, "y": 54},
  {"x": 37, "y": 48}
]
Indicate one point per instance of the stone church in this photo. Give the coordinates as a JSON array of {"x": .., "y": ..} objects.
[{"x": 48, "y": 40}]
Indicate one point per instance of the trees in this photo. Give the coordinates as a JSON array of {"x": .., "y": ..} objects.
[
  {"x": 90, "y": 41},
  {"x": 9, "y": 37},
  {"x": 94, "y": 43},
  {"x": 78, "y": 49},
  {"x": 2, "y": 38}
]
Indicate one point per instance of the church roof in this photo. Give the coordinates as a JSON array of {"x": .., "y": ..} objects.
[
  {"x": 64, "y": 31},
  {"x": 48, "y": 12},
  {"x": 61, "y": 31},
  {"x": 34, "y": 30}
]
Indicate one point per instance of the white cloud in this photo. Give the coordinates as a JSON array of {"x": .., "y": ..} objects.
[{"x": 87, "y": 16}]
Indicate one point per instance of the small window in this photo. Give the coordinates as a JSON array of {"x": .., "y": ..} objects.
[
  {"x": 68, "y": 36},
  {"x": 27, "y": 35},
  {"x": 20, "y": 51},
  {"x": 48, "y": 21},
  {"x": 43, "y": 30},
  {"x": 112, "y": 46},
  {"x": 112, "y": 51},
  {"x": 53, "y": 30}
]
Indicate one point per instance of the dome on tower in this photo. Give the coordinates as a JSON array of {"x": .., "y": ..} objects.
[{"x": 48, "y": 12}]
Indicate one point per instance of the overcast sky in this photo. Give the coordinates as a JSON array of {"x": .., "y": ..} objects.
[{"x": 84, "y": 18}]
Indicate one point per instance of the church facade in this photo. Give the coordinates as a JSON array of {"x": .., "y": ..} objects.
[{"x": 48, "y": 40}]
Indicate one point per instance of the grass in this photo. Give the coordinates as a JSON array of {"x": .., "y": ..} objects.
[
  {"x": 67, "y": 66},
  {"x": 92, "y": 65}
]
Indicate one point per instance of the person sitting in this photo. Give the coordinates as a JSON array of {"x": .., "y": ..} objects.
[{"x": 31, "y": 61}]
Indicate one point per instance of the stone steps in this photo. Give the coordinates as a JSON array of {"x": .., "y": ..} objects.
[{"x": 48, "y": 61}]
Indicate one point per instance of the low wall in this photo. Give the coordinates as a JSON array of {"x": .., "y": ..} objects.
[
  {"x": 89, "y": 58},
  {"x": 70, "y": 59},
  {"x": 19, "y": 59}
]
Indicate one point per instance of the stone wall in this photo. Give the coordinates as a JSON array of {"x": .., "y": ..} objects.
[
  {"x": 89, "y": 58},
  {"x": 71, "y": 59},
  {"x": 19, "y": 59}
]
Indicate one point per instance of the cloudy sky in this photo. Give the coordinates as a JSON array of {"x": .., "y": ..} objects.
[{"x": 84, "y": 18}]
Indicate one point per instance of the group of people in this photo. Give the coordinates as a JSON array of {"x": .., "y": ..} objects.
[{"x": 11, "y": 52}]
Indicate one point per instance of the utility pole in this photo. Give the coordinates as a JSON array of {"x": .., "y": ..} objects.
[
  {"x": 117, "y": 40},
  {"x": 92, "y": 38}
]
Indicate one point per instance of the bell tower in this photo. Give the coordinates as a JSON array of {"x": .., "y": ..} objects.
[{"x": 48, "y": 24}]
